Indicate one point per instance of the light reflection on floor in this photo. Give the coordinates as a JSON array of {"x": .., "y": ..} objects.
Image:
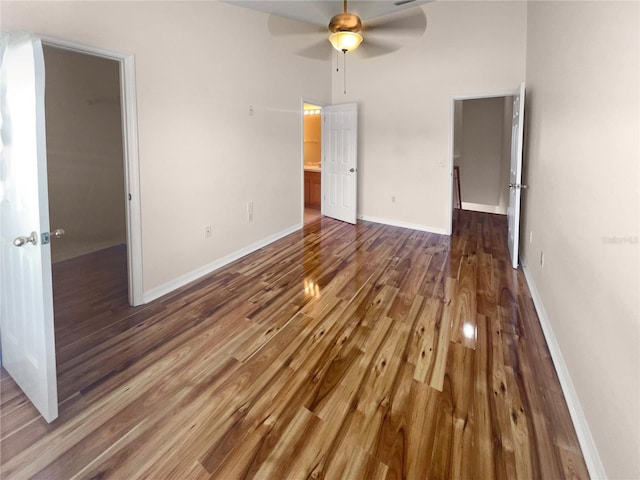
[{"x": 311, "y": 288}]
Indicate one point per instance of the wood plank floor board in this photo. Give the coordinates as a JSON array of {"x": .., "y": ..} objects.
[
  {"x": 484, "y": 463},
  {"x": 340, "y": 352},
  {"x": 424, "y": 342},
  {"x": 501, "y": 403},
  {"x": 460, "y": 368}
]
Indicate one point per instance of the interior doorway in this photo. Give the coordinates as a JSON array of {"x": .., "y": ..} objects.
[
  {"x": 512, "y": 121},
  {"x": 312, "y": 161},
  {"x": 85, "y": 166},
  {"x": 129, "y": 149},
  {"x": 481, "y": 153},
  {"x": 480, "y": 150}
]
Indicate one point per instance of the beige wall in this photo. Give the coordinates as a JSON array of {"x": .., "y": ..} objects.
[
  {"x": 481, "y": 158},
  {"x": 84, "y": 152},
  {"x": 582, "y": 207},
  {"x": 312, "y": 140},
  {"x": 469, "y": 48},
  {"x": 197, "y": 142}
]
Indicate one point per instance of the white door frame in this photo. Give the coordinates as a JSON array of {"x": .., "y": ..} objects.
[
  {"x": 304, "y": 100},
  {"x": 130, "y": 154},
  {"x": 503, "y": 93}
]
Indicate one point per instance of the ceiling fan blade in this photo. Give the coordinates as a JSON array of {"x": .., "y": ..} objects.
[
  {"x": 280, "y": 26},
  {"x": 410, "y": 22},
  {"x": 374, "y": 48},
  {"x": 320, "y": 50}
]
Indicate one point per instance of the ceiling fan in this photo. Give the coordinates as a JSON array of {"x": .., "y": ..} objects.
[
  {"x": 383, "y": 33},
  {"x": 345, "y": 30}
]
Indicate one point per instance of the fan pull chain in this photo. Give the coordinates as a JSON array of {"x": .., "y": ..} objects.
[
  {"x": 337, "y": 61},
  {"x": 344, "y": 70}
]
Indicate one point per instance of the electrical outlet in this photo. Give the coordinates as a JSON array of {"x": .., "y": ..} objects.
[
  {"x": 530, "y": 236},
  {"x": 542, "y": 259},
  {"x": 250, "y": 211},
  {"x": 251, "y": 111},
  {"x": 207, "y": 231}
]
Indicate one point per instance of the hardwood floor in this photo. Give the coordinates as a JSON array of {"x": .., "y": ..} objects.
[{"x": 366, "y": 352}]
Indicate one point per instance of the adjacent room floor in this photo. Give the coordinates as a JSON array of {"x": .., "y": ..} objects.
[
  {"x": 311, "y": 214},
  {"x": 340, "y": 351}
]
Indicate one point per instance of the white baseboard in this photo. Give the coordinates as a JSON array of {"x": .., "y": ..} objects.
[
  {"x": 187, "y": 278},
  {"x": 396, "y": 223},
  {"x": 481, "y": 207},
  {"x": 589, "y": 450}
]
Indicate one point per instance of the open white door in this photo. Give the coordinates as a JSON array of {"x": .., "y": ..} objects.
[
  {"x": 340, "y": 161},
  {"x": 515, "y": 175},
  {"x": 26, "y": 301}
]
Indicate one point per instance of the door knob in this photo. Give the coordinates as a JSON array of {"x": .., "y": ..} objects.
[
  {"x": 20, "y": 241},
  {"x": 58, "y": 233},
  {"x": 46, "y": 236}
]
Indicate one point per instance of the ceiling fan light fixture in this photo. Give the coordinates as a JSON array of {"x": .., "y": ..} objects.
[{"x": 345, "y": 41}]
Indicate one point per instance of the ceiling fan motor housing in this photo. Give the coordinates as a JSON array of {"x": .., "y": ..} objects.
[{"x": 345, "y": 22}]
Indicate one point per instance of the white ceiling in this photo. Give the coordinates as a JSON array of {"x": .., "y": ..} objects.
[{"x": 319, "y": 12}]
